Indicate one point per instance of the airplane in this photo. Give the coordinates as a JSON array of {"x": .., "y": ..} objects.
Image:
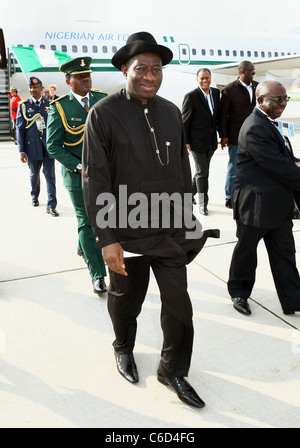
[{"x": 273, "y": 57}]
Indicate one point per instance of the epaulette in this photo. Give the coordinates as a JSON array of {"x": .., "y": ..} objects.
[
  {"x": 22, "y": 101},
  {"x": 97, "y": 90},
  {"x": 59, "y": 98}
]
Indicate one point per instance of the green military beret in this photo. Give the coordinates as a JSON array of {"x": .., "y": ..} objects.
[{"x": 77, "y": 66}]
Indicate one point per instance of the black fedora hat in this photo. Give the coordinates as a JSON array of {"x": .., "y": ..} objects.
[{"x": 138, "y": 43}]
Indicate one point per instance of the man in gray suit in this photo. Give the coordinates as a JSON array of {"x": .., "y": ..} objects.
[{"x": 267, "y": 180}]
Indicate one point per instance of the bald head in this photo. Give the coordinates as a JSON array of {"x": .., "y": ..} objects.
[
  {"x": 266, "y": 87},
  {"x": 271, "y": 98}
]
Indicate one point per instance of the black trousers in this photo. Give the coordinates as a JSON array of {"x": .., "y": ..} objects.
[
  {"x": 200, "y": 179},
  {"x": 125, "y": 299},
  {"x": 280, "y": 246}
]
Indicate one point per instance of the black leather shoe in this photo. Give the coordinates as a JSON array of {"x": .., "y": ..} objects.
[
  {"x": 183, "y": 389},
  {"x": 288, "y": 312},
  {"x": 127, "y": 367},
  {"x": 99, "y": 285},
  {"x": 203, "y": 210},
  {"x": 241, "y": 305},
  {"x": 51, "y": 211},
  {"x": 228, "y": 203},
  {"x": 35, "y": 202}
]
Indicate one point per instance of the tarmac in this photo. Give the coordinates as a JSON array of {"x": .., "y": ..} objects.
[{"x": 57, "y": 368}]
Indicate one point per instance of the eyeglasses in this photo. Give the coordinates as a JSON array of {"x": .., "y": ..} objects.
[{"x": 278, "y": 99}]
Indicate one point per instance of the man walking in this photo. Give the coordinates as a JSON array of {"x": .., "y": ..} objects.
[
  {"x": 237, "y": 103},
  {"x": 66, "y": 124},
  {"x": 200, "y": 113},
  {"x": 134, "y": 149},
  {"x": 268, "y": 177},
  {"x": 31, "y": 126}
]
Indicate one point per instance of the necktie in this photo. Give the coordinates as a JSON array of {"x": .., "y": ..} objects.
[
  {"x": 86, "y": 103},
  {"x": 210, "y": 102}
]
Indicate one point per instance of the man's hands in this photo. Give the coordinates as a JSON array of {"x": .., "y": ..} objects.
[
  {"x": 113, "y": 257},
  {"x": 224, "y": 142},
  {"x": 23, "y": 157}
]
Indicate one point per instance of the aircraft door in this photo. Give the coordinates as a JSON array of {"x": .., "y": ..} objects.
[
  {"x": 184, "y": 54},
  {"x": 3, "y": 60}
]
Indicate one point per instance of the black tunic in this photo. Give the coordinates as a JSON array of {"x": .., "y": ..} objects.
[{"x": 119, "y": 150}]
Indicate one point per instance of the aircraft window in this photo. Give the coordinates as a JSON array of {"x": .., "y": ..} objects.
[
  {"x": 234, "y": 53},
  {"x": 95, "y": 49},
  {"x": 211, "y": 52},
  {"x": 43, "y": 46},
  {"x": 31, "y": 45},
  {"x": 84, "y": 48},
  {"x": 276, "y": 54},
  {"x": 249, "y": 53},
  {"x": 19, "y": 45},
  {"x": 269, "y": 54},
  {"x": 219, "y": 52},
  {"x": 184, "y": 51},
  {"x": 288, "y": 54},
  {"x": 262, "y": 54},
  {"x": 227, "y": 52},
  {"x": 256, "y": 54},
  {"x": 74, "y": 49},
  {"x": 64, "y": 48},
  {"x": 203, "y": 52},
  {"x": 53, "y": 47},
  {"x": 242, "y": 53},
  {"x": 104, "y": 49},
  {"x": 282, "y": 53},
  {"x": 194, "y": 51},
  {"x": 114, "y": 49}
]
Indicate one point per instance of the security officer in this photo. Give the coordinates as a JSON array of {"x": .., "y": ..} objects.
[
  {"x": 65, "y": 130},
  {"x": 31, "y": 125}
]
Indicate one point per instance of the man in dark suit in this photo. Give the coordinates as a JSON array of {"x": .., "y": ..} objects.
[
  {"x": 200, "y": 112},
  {"x": 31, "y": 126},
  {"x": 267, "y": 177},
  {"x": 237, "y": 103}
]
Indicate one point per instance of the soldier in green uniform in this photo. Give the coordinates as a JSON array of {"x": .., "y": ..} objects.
[{"x": 66, "y": 122}]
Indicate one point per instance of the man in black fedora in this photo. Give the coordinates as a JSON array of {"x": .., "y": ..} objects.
[{"x": 134, "y": 147}]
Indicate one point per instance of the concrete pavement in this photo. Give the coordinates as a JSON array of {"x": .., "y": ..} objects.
[{"x": 57, "y": 368}]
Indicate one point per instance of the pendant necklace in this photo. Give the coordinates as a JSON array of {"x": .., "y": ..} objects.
[{"x": 168, "y": 144}]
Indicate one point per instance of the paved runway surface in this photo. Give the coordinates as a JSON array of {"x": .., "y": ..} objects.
[{"x": 57, "y": 367}]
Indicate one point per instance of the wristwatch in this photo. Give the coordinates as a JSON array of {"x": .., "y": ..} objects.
[{"x": 78, "y": 167}]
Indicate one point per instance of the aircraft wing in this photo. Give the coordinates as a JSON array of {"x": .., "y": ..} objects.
[{"x": 285, "y": 67}]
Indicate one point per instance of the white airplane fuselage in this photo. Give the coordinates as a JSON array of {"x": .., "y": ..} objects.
[{"x": 190, "y": 54}]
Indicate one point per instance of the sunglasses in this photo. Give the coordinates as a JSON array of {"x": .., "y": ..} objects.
[{"x": 278, "y": 99}]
